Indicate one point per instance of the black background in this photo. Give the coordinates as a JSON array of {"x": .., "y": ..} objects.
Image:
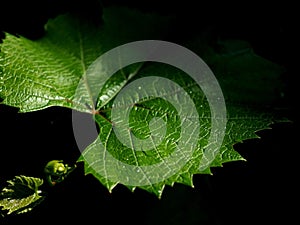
[{"x": 261, "y": 190}]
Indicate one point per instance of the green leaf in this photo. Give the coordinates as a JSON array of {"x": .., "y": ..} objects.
[
  {"x": 243, "y": 123},
  {"x": 46, "y": 72},
  {"x": 21, "y": 195},
  {"x": 38, "y": 74}
]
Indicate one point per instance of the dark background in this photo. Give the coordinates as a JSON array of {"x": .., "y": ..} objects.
[{"x": 261, "y": 190}]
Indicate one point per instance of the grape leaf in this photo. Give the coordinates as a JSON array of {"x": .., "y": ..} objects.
[
  {"x": 47, "y": 72},
  {"x": 243, "y": 123},
  {"x": 43, "y": 73},
  {"x": 21, "y": 195}
]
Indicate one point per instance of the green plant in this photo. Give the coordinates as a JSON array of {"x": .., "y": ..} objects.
[{"x": 43, "y": 73}]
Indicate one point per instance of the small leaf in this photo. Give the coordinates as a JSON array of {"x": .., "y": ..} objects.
[{"x": 21, "y": 195}]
